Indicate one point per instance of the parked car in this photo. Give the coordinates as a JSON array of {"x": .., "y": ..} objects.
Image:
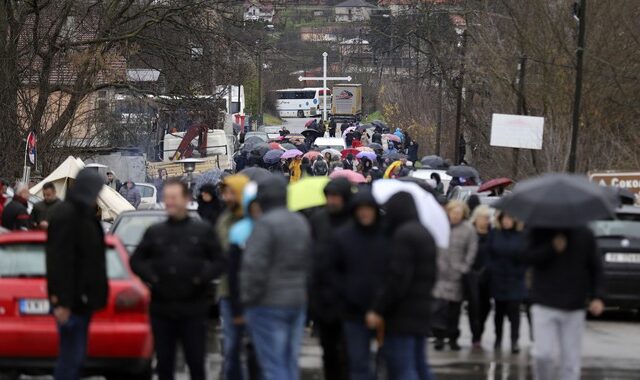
[
  {"x": 619, "y": 244},
  {"x": 130, "y": 226},
  {"x": 148, "y": 193},
  {"x": 120, "y": 339},
  {"x": 336, "y": 143},
  {"x": 261, "y": 135},
  {"x": 425, "y": 175}
]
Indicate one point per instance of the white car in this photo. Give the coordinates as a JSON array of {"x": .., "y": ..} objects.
[
  {"x": 425, "y": 175},
  {"x": 336, "y": 143},
  {"x": 148, "y": 193}
]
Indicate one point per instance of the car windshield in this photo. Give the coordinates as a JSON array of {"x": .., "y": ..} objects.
[
  {"x": 131, "y": 227},
  {"x": 145, "y": 191},
  {"x": 28, "y": 260},
  {"x": 626, "y": 228}
]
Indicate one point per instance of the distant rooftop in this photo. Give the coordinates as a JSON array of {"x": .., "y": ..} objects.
[{"x": 355, "y": 4}]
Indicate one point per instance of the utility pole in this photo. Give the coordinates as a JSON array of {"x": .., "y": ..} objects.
[
  {"x": 260, "y": 116},
  {"x": 439, "y": 126},
  {"x": 582, "y": 24},
  {"x": 519, "y": 108},
  {"x": 460, "y": 84}
]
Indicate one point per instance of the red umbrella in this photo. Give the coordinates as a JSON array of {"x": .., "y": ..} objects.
[
  {"x": 353, "y": 177},
  {"x": 275, "y": 145},
  {"x": 312, "y": 154},
  {"x": 496, "y": 182},
  {"x": 352, "y": 151},
  {"x": 309, "y": 123}
]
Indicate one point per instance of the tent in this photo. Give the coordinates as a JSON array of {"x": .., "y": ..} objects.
[{"x": 110, "y": 202}]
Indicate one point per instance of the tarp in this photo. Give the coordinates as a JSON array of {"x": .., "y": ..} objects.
[{"x": 110, "y": 202}]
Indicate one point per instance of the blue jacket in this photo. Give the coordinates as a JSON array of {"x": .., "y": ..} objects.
[{"x": 506, "y": 271}]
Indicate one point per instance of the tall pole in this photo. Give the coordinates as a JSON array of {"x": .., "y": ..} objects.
[
  {"x": 582, "y": 11},
  {"x": 439, "y": 126},
  {"x": 324, "y": 86},
  {"x": 460, "y": 83},
  {"x": 519, "y": 108},
  {"x": 260, "y": 87}
]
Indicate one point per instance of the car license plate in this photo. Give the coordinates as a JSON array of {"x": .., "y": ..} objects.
[
  {"x": 624, "y": 258},
  {"x": 34, "y": 306}
]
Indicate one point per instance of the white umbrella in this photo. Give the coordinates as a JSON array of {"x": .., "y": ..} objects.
[
  {"x": 333, "y": 152},
  {"x": 430, "y": 212}
]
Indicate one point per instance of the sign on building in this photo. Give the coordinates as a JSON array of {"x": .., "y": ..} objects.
[{"x": 516, "y": 131}]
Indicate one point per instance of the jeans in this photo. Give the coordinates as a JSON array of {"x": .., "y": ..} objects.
[
  {"x": 277, "y": 336},
  {"x": 191, "y": 332},
  {"x": 232, "y": 342},
  {"x": 511, "y": 310},
  {"x": 334, "y": 354},
  {"x": 358, "y": 338},
  {"x": 72, "y": 347},
  {"x": 406, "y": 357},
  {"x": 557, "y": 348}
]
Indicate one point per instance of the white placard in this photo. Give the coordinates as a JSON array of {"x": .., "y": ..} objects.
[{"x": 516, "y": 131}]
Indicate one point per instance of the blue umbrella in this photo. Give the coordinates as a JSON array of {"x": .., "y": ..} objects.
[
  {"x": 272, "y": 156},
  {"x": 210, "y": 176},
  {"x": 370, "y": 155}
]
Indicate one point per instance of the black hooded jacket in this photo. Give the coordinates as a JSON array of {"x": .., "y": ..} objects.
[
  {"x": 359, "y": 262},
  {"x": 324, "y": 224},
  {"x": 209, "y": 211},
  {"x": 405, "y": 298},
  {"x": 75, "y": 250}
]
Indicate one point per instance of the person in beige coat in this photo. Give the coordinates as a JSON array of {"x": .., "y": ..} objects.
[{"x": 453, "y": 263}]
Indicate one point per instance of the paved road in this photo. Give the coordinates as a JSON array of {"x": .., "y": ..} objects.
[
  {"x": 610, "y": 352},
  {"x": 296, "y": 125}
]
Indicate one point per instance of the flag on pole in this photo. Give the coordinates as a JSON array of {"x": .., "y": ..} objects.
[{"x": 31, "y": 147}]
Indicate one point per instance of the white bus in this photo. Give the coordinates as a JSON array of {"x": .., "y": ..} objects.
[{"x": 302, "y": 102}]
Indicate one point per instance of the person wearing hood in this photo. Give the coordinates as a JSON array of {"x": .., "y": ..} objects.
[
  {"x": 320, "y": 167},
  {"x": 359, "y": 262},
  {"x": 231, "y": 309},
  {"x": 16, "y": 216},
  {"x": 131, "y": 193},
  {"x": 453, "y": 263},
  {"x": 178, "y": 259},
  {"x": 404, "y": 302},
  {"x": 295, "y": 169},
  {"x": 348, "y": 163},
  {"x": 76, "y": 270},
  {"x": 232, "y": 189},
  {"x": 400, "y": 135},
  {"x": 273, "y": 282},
  {"x": 323, "y": 305},
  {"x": 209, "y": 206}
]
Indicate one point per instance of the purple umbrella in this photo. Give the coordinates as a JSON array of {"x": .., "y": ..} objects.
[
  {"x": 272, "y": 156},
  {"x": 291, "y": 153},
  {"x": 369, "y": 155}
]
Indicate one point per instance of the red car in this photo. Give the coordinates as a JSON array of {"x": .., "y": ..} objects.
[{"x": 120, "y": 339}]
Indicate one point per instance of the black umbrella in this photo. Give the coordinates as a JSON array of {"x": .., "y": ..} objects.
[
  {"x": 256, "y": 174},
  {"x": 363, "y": 127},
  {"x": 310, "y": 133},
  {"x": 463, "y": 171},
  {"x": 558, "y": 201},
  {"x": 625, "y": 196},
  {"x": 375, "y": 146},
  {"x": 393, "y": 156},
  {"x": 251, "y": 143},
  {"x": 433, "y": 162},
  {"x": 261, "y": 149},
  {"x": 379, "y": 123}
]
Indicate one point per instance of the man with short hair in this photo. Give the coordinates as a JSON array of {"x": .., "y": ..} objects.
[
  {"x": 76, "y": 270},
  {"x": 178, "y": 259},
  {"x": 15, "y": 215},
  {"x": 42, "y": 210},
  {"x": 131, "y": 193},
  {"x": 113, "y": 182}
]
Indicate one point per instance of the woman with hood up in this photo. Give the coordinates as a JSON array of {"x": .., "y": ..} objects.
[
  {"x": 359, "y": 263},
  {"x": 403, "y": 304},
  {"x": 209, "y": 206}
]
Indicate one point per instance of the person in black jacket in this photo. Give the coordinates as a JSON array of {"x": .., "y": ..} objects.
[
  {"x": 209, "y": 205},
  {"x": 508, "y": 289},
  {"x": 567, "y": 276},
  {"x": 360, "y": 250},
  {"x": 178, "y": 259},
  {"x": 76, "y": 270},
  {"x": 323, "y": 307},
  {"x": 403, "y": 304},
  {"x": 15, "y": 215}
]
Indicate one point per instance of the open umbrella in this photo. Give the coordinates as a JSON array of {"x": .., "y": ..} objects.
[
  {"x": 375, "y": 146},
  {"x": 625, "y": 196},
  {"x": 272, "y": 156},
  {"x": 309, "y": 123},
  {"x": 312, "y": 154},
  {"x": 291, "y": 153},
  {"x": 350, "y": 129},
  {"x": 370, "y": 155},
  {"x": 431, "y": 214},
  {"x": 333, "y": 152},
  {"x": 392, "y": 156},
  {"x": 392, "y": 137},
  {"x": 275, "y": 145},
  {"x": 463, "y": 171},
  {"x": 261, "y": 149},
  {"x": 306, "y": 193},
  {"x": 210, "y": 176},
  {"x": 349, "y": 151},
  {"x": 433, "y": 162},
  {"x": 379, "y": 123},
  {"x": 391, "y": 168},
  {"x": 295, "y": 137},
  {"x": 495, "y": 183},
  {"x": 353, "y": 177},
  {"x": 310, "y": 133},
  {"x": 364, "y": 149},
  {"x": 363, "y": 127},
  {"x": 288, "y": 146},
  {"x": 256, "y": 174},
  {"x": 558, "y": 201}
]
